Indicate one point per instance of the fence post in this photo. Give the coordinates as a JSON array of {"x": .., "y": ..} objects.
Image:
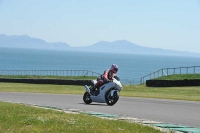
[
  {"x": 180, "y": 70},
  {"x": 167, "y": 71},
  {"x": 187, "y": 71}
]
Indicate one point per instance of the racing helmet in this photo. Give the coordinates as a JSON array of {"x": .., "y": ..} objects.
[{"x": 114, "y": 68}]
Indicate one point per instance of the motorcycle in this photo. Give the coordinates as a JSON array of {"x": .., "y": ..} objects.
[{"x": 107, "y": 93}]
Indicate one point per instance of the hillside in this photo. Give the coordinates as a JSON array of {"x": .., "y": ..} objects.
[
  {"x": 25, "y": 41},
  {"x": 120, "y": 46},
  {"x": 124, "y": 46}
]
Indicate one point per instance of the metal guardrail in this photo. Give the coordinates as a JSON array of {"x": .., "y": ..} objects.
[
  {"x": 130, "y": 81},
  {"x": 171, "y": 71},
  {"x": 48, "y": 73},
  {"x": 127, "y": 81}
]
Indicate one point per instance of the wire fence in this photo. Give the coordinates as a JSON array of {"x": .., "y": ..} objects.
[
  {"x": 127, "y": 81},
  {"x": 130, "y": 81},
  {"x": 48, "y": 73},
  {"x": 171, "y": 71},
  {"x": 85, "y": 73}
]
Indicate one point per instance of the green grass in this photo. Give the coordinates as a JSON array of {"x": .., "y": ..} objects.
[
  {"x": 179, "y": 77},
  {"x": 41, "y": 88},
  {"x": 17, "y": 118},
  {"x": 177, "y": 93}
]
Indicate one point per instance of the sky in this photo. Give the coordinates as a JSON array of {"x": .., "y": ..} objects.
[{"x": 168, "y": 24}]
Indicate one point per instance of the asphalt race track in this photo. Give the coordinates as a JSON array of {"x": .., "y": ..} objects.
[{"x": 170, "y": 111}]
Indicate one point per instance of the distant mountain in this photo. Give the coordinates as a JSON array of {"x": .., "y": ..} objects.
[
  {"x": 123, "y": 46},
  {"x": 25, "y": 41},
  {"x": 120, "y": 46}
]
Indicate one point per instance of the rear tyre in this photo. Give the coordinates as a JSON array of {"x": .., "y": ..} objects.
[
  {"x": 111, "y": 100},
  {"x": 86, "y": 98}
]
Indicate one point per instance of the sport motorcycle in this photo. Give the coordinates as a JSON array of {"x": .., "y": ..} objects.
[{"x": 108, "y": 93}]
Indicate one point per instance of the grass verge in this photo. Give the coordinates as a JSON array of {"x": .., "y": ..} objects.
[
  {"x": 17, "y": 118},
  {"x": 176, "y": 93}
]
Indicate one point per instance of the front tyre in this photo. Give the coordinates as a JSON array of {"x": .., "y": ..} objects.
[
  {"x": 86, "y": 98},
  {"x": 111, "y": 100}
]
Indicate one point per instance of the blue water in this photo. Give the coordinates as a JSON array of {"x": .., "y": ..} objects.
[{"x": 130, "y": 65}]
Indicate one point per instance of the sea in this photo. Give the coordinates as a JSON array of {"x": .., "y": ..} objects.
[{"x": 131, "y": 66}]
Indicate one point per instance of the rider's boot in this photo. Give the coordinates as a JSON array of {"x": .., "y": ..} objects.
[
  {"x": 92, "y": 90},
  {"x": 95, "y": 89},
  {"x": 97, "y": 86}
]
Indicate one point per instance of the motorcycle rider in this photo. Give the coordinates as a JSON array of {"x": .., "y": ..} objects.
[{"x": 105, "y": 77}]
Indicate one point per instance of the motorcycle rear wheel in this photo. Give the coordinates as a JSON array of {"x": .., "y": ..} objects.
[
  {"x": 111, "y": 100},
  {"x": 86, "y": 98}
]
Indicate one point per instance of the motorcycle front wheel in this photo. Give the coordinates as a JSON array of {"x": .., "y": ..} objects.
[
  {"x": 111, "y": 100},
  {"x": 86, "y": 98}
]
